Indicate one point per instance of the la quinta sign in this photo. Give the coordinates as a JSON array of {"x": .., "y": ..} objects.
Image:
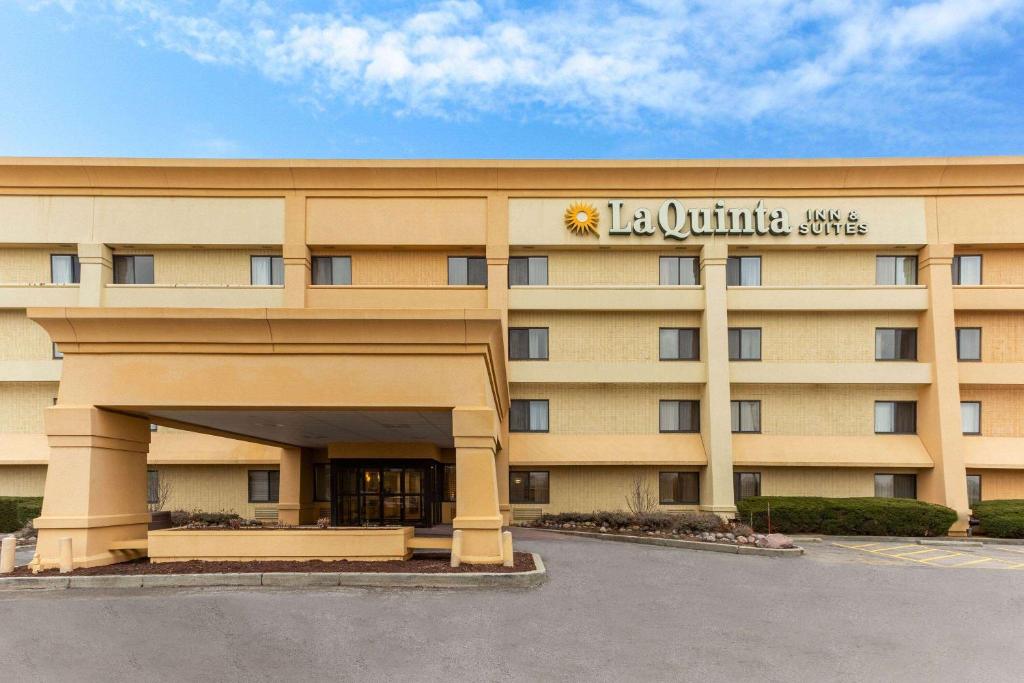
[{"x": 675, "y": 221}]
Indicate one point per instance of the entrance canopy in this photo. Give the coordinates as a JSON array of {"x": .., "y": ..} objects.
[{"x": 296, "y": 377}]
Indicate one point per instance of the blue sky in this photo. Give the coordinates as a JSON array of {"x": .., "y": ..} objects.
[{"x": 626, "y": 79}]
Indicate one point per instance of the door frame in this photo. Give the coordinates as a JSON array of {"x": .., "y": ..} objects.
[{"x": 433, "y": 475}]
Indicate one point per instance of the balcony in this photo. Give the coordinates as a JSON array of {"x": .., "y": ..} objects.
[
  {"x": 30, "y": 371},
  {"x": 606, "y": 298},
  {"x": 600, "y": 372},
  {"x": 25, "y": 295},
  {"x": 768, "y": 450},
  {"x": 828, "y": 298},
  {"x": 748, "y": 372},
  {"x": 545, "y": 450},
  {"x": 996, "y": 452},
  {"x": 396, "y": 296},
  {"x": 988, "y": 298},
  {"x": 193, "y": 296},
  {"x": 991, "y": 373}
]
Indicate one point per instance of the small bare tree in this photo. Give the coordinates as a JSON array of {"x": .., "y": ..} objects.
[
  {"x": 640, "y": 498},
  {"x": 163, "y": 492}
]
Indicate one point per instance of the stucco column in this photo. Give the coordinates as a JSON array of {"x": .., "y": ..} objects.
[
  {"x": 938, "y": 406},
  {"x": 497, "y": 299},
  {"x": 97, "y": 271},
  {"x": 716, "y": 493},
  {"x": 295, "y": 252},
  {"x": 289, "y": 505},
  {"x": 95, "y": 489},
  {"x": 477, "y": 515}
]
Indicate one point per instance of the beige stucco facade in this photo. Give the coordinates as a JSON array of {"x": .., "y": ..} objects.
[{"x": 404, "y": 365}]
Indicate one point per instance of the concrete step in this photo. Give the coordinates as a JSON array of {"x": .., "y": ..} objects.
[
  {"x": 130, "y": 544},
  {"x": 431, "y": 542}
]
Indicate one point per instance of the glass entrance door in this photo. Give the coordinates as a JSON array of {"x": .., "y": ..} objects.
[{"x": 391, "y": 494}]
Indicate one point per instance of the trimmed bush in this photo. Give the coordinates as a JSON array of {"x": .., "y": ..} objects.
[
  {"x": 16, "y": 512},
  {"x": 677, "y": 522},
  {"x": 846, "y": 516},
  {"x": 1000, "y": 518}
]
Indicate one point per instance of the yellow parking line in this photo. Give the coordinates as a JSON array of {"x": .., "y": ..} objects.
[
  {"x": 929, "y": 560},
  {"x": 896, "y": 547},
  {"x": 920, "y": 552},
  {"x": 967, "y": 564},
  {"x": 859, "y": 547}
]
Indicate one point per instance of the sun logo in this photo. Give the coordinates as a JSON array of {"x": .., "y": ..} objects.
[{"x": 581, "y": 218}]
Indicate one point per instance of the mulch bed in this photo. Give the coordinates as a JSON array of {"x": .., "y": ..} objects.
[{"x": 421, "y": 564}]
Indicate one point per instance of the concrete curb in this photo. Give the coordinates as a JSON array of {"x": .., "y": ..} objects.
[
  {"x": 680, "y": 543},
  {"x": 530, "y": 579},
  {"x": 923, "y": 540}
]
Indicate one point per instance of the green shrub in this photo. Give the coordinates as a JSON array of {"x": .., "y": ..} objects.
[
  {"x": 16, "y": 512},
  {"x": 847, "y": 516},
  {"x": 1000, "y": 518}
]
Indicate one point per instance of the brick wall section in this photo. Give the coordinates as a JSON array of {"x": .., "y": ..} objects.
[
  {"x": 22, "y": 339},
  {"x": 22, "y": 404},
  {"x": 22, "y": 480},
  {"x": 28, "y": 266},
  {"x": 1002, "y": 408},
  {"x": 1002, "y": 334}
]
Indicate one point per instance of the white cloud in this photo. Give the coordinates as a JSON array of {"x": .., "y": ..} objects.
[{"x": 611, "y": 62}]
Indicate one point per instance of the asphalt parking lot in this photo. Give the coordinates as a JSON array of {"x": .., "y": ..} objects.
[
  {"x": 963, "y": 555},
  {"x": 610, "y": 612}
]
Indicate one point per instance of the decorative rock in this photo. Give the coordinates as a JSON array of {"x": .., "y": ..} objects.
[{"x": 775, "y": 542}]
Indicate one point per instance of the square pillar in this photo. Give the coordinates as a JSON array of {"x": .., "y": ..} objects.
[
  {"x": 938, "y": 406},
  {"x": 716, "y": 494},
  {"x": 97, "y": 271},
  {"x": 477, "y": 513},
  {"x": 289, "y": 506},
  {"x": 295, "y": 252},
  {"x": 96, "y": 486}
]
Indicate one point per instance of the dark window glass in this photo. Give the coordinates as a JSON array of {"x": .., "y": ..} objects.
[
  {"x": 967, "y": 270},
  {"x": 678, "y": 488},
  {"x": 679, "y": 343},
  {"x": 467, "y": 270},
  {"x": 743, "y": 271},
  {"x": 896, "y": 486},
  {"x": 895, "y": 343},
  {"x": 152, "y": 487},
  {"x": 746, "y": 416},
  {"x": 895, "y": 417},
  {"x": 332, "y": 270},
  {"x": 746, "y": 485},
  {"x": 448, "y": 494},
  {"x": 679, "y": 416},
  {"x": 679, "y": 270},
  {"x": 968, "y": 343},
  {"x": 528, "y": 487},
  {"x": 65, "y": 269},
  {"x": 266, "y": 270},
  {"x": 263, "y": 486},
  {"x": 744, "y": 343},
  {"x": 527, "y": 270},
  {"x": 528, "y": 343},
  {"x": 973, "y": 489},
  {"x": 528, "y": 415},
  {"x": 321, "y": 481},
  {"x": 133, "y": 270},
  {"x": 896, "y": 270}
]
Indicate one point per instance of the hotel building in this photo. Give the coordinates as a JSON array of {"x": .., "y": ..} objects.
[{"x": 391, "y": 342}]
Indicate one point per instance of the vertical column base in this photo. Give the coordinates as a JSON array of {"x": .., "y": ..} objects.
[
  {"x": 482, "y": 542},
  {"x": 90, "y": 545}
]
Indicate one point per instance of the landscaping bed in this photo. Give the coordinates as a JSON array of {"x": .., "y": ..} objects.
[
  {"x": 436, "y": 563},
  {"x": 686, "y": 526}
]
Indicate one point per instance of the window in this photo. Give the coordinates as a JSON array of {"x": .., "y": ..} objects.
[
  {"x": 896, "y": 270},
  {"x": 448, "y": 494},
  {"x": 65, "y": 269},
  {"x": 973, "y": 489},
  {"x": 527, "y": 270},
  {"x": 528, "y": 343},
  {"x": 746, "y": 416},
  {"x": 895, "y": 486},
  {"x": 679, "y": 270},
  {"x": 967, "y": 270},
  {"x": 152, "y": 487},
  {"x": 332, "y": 270},
  {"x": 744, "y": 343},
  {"x": 743, "y": 271},
  {"x": 528, "y": 416},
  {"x": 321, "y": 482},
  {"x": 746, "y": 485},
  {"x": 266, "y": 270},
  {"x": 679, "y": 416},
  {"x": 678, "y": 488},
  {"x": 895, "y": 417},
  {"x": 57, "y": 353},
  {"x": 970, "y": 417},
  {"x": 263, "y": 486},
  {"x": 895, "y": 343},
  {"x": 467, "y": 270},
  {"x": 528, "y": 487},
  {"x": 153, "y": 427},
  {"x": 968, "y": 343},
  {"x": 679, "y": 343},
  {"x": 133, "y": 270}
]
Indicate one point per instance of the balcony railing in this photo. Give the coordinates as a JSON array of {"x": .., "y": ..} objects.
[
  {"x": 25, "y": 295},
  {"x": 194, "y": 296},
  {"x": 606, "y": 298},
  {"x": 396, "y": 296},
  {"x": 989, "y": 298},
  {"x": 838, "y": 298}
]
